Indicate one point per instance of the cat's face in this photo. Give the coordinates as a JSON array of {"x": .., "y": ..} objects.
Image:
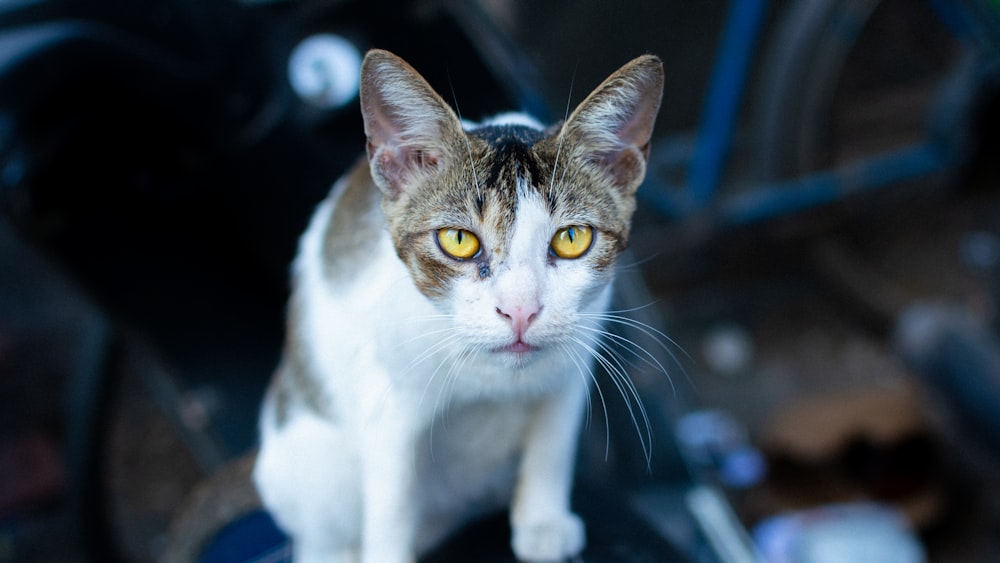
[{"x": 510, "y": 230}]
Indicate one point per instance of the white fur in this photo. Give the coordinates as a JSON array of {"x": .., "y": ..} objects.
[
  {"x": 431, "y": 425},
  {"x": 507, "y": 118}
]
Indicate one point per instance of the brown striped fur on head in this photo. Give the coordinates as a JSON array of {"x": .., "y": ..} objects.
[{"x": 433, "y": 174}]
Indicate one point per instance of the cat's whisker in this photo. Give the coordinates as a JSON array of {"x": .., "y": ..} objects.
[
  {"x": 621, "y": 390},
  {"x": 420, "y": 334},
  {"x": 586, "y": 371},
  {"x": 586, "y": 368},
  {"x": 637, "y": 350},
  {"x": 472, "y": 166},
  {"x": 453, "y": 359},
  {"x": 619, "y": 371},
  {"x": 387, "y": 391},
  {"x": 442, "y": 393},
  {"x": 431, "y": 352},
  {"x": 562, "y": 178},
  {"x": 559, "y": 145},
  {"x": 649, "y": 358},
  {"x": 566, "y": 350},
  {"x": 625, "y": 311},
  {"x": 610, "y": 360},
  {"x": 455, "y": 370},
  {"x": 423, "y": 335},
  {"x": 619, "y": 318},
  {"x": 612, "y": 354},
  {"x": 555, "y": 164},
  {"x": 434, "y": 350},
  {"x": 425, "y": 318},
  {"x": 599, "y": 335},
  {"x": 457, "y": 361},
  {"x": 628, "y": 392},
  {"x": 650, "y": 331},
  {"x": 635, "y": 264},
  {"x": 443, "y": 419},
  {"x": 468, "y": 144}
]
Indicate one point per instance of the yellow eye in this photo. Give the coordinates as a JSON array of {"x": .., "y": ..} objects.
[
  {"x": 458, "y": 243},
  {"x": 572, "y": 242}
]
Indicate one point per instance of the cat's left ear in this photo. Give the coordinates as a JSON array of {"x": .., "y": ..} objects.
[
  {"x": 613, "y": 126},
  {"x": 410, "y": 128}
]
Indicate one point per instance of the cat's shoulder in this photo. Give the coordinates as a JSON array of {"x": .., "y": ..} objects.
[{"x": 352, "y": 221}]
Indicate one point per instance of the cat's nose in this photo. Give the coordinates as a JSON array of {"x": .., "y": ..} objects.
[{"x": 520, "y": 316}]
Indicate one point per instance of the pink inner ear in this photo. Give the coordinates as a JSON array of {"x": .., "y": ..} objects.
[
  {"x": 638, "y": 128},
  {"x": 423, "y": 159},
  {"x": 624, "y": 166},
  {"x": 616, "y": 121},
  {"x": 378, "y": 122},
  {"x": 409, "y": 160},
  {"x": 397, "y": 165},
  {"x": 388, "y": 166}
]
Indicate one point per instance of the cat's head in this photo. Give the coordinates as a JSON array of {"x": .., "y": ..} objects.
[{"x": 512, "y": 229}]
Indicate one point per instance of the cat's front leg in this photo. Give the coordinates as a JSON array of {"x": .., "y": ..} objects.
[
  {"x": 390, "y": 514},
  {"x": 544, "y": 528}
]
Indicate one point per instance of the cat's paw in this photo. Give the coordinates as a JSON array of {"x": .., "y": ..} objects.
[{"x": 553, "y": 539}]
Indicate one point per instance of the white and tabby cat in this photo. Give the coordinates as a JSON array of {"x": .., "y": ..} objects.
[{"x": 443, "y": 323}]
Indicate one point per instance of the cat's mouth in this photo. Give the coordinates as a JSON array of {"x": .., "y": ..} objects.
[{"x": 520, "y": 348}]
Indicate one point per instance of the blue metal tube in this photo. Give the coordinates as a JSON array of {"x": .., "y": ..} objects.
[
  {"x": 761, "y": 202},
  {"x": 973, "y": 23},
  {"x": 768, "y": 201},
  {"x": 719, "y": 116},
  {"x": 775, "y": 200}
]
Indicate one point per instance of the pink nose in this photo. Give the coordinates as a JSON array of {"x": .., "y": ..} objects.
[{"x": 520, "y": 317}]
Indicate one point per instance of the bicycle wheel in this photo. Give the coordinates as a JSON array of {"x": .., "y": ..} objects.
[{"x": 847, "y": 78}]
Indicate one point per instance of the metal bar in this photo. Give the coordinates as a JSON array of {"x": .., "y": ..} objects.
[
  {"x": 760, "y": 202},
  {"x": 719, "y": 117},
  {"x": 769, "y": 201},
  {"x": 721, "y": 526},
  {"x": 168, "y": 395},
  {"x": 971, "y": 22}
]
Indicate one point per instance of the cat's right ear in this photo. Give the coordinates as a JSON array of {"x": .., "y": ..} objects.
[
  {"x": 613, "y": 126},
  {"x": 409, "y": 127}
]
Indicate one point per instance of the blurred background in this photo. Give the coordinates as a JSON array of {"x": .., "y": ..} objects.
[{"x": 817, "y": 236}]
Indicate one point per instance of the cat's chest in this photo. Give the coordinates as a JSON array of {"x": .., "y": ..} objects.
[{"x": 473, "y": 449}]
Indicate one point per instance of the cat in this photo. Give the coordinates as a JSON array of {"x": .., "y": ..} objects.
[{"x": 446, "y": 305}]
